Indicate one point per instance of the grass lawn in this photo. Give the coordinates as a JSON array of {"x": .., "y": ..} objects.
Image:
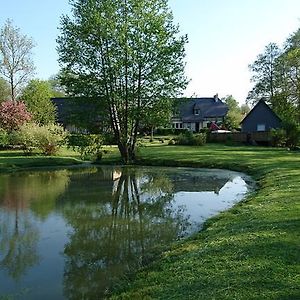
[
  {"x": 248, "y": 252},
  {"x": 12, "y": 160}
]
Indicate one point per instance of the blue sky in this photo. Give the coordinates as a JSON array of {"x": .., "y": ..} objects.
[{"x": 225, "y": 36}]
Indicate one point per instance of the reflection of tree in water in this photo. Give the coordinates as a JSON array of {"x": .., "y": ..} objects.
[
  {"x": 18, "y": 234},
  {"x": 18, "y": 238},
  {"x": 112, "y": 237}
]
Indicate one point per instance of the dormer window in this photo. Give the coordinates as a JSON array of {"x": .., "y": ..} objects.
[{"x": 196, "y": 112}]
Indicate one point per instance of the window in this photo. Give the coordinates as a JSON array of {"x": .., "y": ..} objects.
[
  {"x": 261, "y": 127},
  {"x": 197, "y": 112}
]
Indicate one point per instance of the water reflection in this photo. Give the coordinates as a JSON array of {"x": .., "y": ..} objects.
[
  {"x": 20, "y": 197},
  {"x": 86, "y": 228},
  {"x": 112, "y": 236}
]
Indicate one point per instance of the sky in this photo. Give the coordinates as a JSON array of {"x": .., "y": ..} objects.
[{"x": 225, "y": 36}]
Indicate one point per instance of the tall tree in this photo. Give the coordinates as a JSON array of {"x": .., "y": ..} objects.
[
  {"x": 264, "y": 74},
  {"x": 132, "y": 58},
  {"x": 16, "y": 64},
  {"x": 277, "y": 78},
  {"x": 36, "y": 96}
]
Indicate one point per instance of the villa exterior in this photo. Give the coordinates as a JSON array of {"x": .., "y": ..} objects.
[{"x": 197, "y": 113}]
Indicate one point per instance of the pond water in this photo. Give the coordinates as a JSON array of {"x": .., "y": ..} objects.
[{"x": 70, "y": 234}]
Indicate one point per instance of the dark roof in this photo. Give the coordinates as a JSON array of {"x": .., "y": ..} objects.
[
  {"x": 80, "y": 111},
  {"x": 259, "y": 103},
  {"x": 209, "y": 107}
]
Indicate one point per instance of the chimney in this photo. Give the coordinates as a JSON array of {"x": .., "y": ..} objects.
[{"x": 216, "y": 97}]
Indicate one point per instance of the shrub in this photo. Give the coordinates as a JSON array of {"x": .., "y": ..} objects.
[
  {"x": 188, "y": 138},
  {"x": 200, "y": 139},
  {"x": 164, "y": 131},
  {"x": 288, "y": 136},
  {"x": 4, "y": 138},
  {"x": 88, "y": 145},
  {"x": 292, "y": 134},
  {"x": 46, "y": 138},
  {"x": 278, "y": 137},
  {"x": 13, "y": 114}
]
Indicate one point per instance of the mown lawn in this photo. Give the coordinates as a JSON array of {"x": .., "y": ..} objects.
[
  {"x": 13, "y": 160},
  {"x": 251, "y": 251}
]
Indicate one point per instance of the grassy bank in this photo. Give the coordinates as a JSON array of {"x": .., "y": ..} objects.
[
  {"x": 248, "y": 252},
  {"x": 13, "y": 160}
]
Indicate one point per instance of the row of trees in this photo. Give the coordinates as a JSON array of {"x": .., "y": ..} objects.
[{"x": 276, "y": 77}]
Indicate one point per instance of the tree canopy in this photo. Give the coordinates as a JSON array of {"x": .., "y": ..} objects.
[
  {"x": 276, "y": 77},
  {"x": 235, "y": 112},
  {"x": 36, "y": 96},
  {"x": 16, "y": 64},
  {"x": 127, "y": 52}
]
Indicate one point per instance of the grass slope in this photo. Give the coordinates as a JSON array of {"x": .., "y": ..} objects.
[
  {"x": 13, "y": 160},
  {"x": 248, "y": 252}
]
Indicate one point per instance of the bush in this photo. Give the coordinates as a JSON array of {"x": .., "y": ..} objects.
[
  {"x": 4, "y": 138},
  {"x": 188, "y": 138},
  {"x": 292, "y": 134},
  {"x": 47, "y": 138},
  {"x": 200, "y": 139},
  {"x": 88, "y": 145},
  {"x": 13, "y": 114},
  {"x": 288, "y": 136},
  {"x": 278, "y": 137},
  {"x": 165, "y": 131}
]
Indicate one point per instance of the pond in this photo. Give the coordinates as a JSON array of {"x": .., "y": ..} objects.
[{"x": 72, "y": 233}]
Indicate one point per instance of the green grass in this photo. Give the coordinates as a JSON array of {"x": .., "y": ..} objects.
[
  {"x": 12, "y": 160},
  {"x": 248, "y": 252}
]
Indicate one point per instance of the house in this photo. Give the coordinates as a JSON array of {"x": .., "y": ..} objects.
[
  {"x": 261, "y": 118},
  {"x": 197, "y": 113}
]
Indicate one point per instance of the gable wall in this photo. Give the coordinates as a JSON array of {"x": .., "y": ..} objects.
[{"x": 261, "y": 114}]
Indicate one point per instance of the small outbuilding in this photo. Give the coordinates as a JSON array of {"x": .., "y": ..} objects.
[{"x": 260, "y": 119}]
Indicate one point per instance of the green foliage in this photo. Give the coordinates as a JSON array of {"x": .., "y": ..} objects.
[
  {"x": 36, "y": 96},
  {"x": 4, "y": 90},
  {"x": 88, "y": 145},
  {"x": 287, "y": 136},
  {"x": 56, "y": 88},
  {"x": 234, "y": 115},
  {"x": 188, "y": 138},
  {"x": 133, "y": 58},
  {"x": 278, "y": 137},
  {"x": 275, "y": 74},
  {"x": 4, "y": 138},
  {"x": 292, "y": 133},
  {"x": 45, "y": 138}
]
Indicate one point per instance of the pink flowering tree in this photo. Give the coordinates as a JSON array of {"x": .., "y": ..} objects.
[{"x": 13, "y": 114}]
